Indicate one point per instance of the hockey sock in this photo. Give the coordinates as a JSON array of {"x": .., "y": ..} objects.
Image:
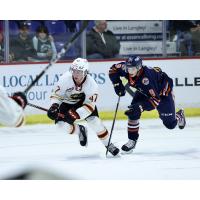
[{"x": 133, "y": 129}]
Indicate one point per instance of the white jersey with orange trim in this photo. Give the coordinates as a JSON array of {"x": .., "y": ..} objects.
[
  {"x": 68, "y": 92},
  {"x": 11, "y": 114}
]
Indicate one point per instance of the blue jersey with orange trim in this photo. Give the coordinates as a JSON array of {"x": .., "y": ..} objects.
[{"x": 152, "y": 82}]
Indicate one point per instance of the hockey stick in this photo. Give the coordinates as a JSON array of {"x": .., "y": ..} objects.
[
  {"x": 113, "y": 125},
  {"x": 131, "y": 92},
  {"x": 44, "y": 109},
  {"x": 66, "y": 47},
  {"x": 38, "y": 107}
]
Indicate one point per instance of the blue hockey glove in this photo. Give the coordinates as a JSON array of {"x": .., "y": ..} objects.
[
  {"x": 119, "y": 89},
  {"x": 134, "y": 110}
]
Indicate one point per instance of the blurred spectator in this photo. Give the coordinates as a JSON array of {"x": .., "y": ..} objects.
[
  {"x": 44, "y": 45},
  {"x": 1, "y": 47},
  {"x": 71, "y": 25},
  {"x": 185, "y": 43},
  {"x": 21, "y": 46},
  {"x": 183, "y": 36},
  {"x": 181, "y": 25},
  {"x": 1, "y": 25},
  {"x": 195, "y": 31},
  {"x": 101, "y": 43}
]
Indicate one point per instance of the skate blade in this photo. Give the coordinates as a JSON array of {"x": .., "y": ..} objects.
[
  {"x": 109, "y": 155},
  {"x": 126, "y": 152},
  {"x": 85, "y": 146}
]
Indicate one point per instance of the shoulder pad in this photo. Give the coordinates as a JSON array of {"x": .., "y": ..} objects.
[
  {"x": 157, "y": 69},
  {"x": 120, "y": 65}
]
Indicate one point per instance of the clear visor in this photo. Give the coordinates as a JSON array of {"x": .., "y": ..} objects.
[
  {"x": 131, "y": 69},
  {"x": 78, "y": 73}
]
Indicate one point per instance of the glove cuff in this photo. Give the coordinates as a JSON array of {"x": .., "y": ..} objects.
[
  {"x": 55, "y": 105},
  {"x": 74, "y": 115},
  {"x": 19, "y": 100},
  {"x": 52, "y": 113}
]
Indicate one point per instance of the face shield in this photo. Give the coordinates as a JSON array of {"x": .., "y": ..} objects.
[
  {"x": 133, "y": 65},
  {"x": 132, "y": 70},
  {"x": 78, "y": 75}
]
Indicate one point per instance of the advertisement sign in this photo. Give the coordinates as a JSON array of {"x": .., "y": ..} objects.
[
  {"x": 185, "y": 73},
  {"x": 136, "y": 30},
  {"x": 135, "y": 27},
  {"x": 139, "y": 37},
  {"x": 146, "y": 47}
]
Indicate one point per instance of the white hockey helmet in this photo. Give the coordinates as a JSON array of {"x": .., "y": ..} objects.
[{"x": 81, "y": 65}]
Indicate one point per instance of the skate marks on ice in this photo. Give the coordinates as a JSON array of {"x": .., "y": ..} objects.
[{"x": 160, "y": 153}]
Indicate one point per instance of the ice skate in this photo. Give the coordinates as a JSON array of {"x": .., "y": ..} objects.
[
  {"x": 129, "y": 146},
  {"x": 83, "y": 135},
  {"x": 113, "y": 149},
  {"x": 181, "y": 119}
]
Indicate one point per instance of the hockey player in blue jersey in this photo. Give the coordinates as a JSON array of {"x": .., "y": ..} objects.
[{"x": 154, "y": 91}]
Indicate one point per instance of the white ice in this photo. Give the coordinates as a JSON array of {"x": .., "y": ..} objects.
[{"x": 160, "y": 153}]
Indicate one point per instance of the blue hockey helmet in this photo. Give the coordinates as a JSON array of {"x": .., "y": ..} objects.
[{"x": 134, "y": 61}]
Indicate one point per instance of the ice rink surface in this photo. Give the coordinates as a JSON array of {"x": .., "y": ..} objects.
[{"x": 160, "y": 154}]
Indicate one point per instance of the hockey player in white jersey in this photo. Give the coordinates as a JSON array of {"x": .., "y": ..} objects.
[
  {"x": 74, "y": 98},
  {"x": 11, "y": 108}
]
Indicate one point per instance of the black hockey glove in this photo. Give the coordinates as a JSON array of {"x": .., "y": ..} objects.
[
  {"x": 53, "y": 111},
  {"x": 134, "y": 110},
  {"x": 119, "y": 89},
  {"x": 69, "y": 117},
  {"x": 20, "y": 98}
]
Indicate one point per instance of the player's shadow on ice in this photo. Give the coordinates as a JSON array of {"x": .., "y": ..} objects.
[
  {"x": 97, "y": 156},
  {"x": 84, "y": 157}
]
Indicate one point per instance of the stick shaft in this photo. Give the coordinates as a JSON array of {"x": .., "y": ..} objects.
[
  {"x": 113, "y": 125},
  {"x": 38, "y": 107}
]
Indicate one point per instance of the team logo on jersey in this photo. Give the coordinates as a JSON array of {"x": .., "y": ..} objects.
[
  {"x": 69, "y": 89},
  {"x": 78, "y": 96},
  {"x": 145, "y": 81}
]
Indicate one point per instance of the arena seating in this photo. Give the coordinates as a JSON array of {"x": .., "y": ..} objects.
[{"x": 56, "y": 26}]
